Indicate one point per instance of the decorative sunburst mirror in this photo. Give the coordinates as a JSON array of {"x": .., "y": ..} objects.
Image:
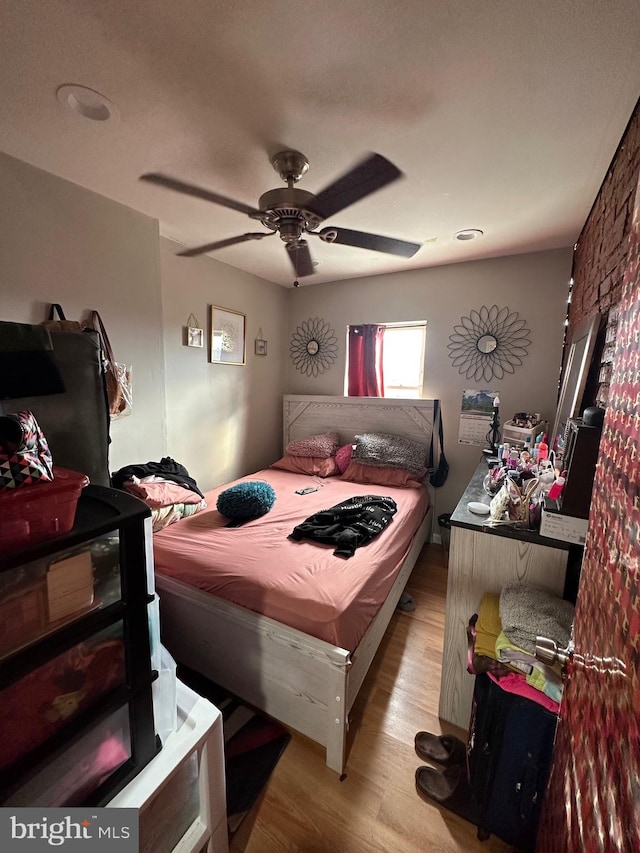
[
  {"x": 313, "y": 347},
  {"x": 489, "y": 343}
]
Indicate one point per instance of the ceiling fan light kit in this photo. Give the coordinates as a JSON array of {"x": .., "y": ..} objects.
[{"x": 294, "y": 214}]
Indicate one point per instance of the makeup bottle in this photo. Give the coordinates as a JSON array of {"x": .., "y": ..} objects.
[
  {"x": 543, "y": 449},
  {"x": 556, "y": 489}
]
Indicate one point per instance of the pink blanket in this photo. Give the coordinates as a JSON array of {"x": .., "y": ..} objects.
[{"x": 301, "y": 584}]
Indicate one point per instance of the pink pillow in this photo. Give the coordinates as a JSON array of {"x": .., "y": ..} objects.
[
  {"x": 319, "y": 467},
  {"x": 323, "y": 446},
  {"x": 378, "y": 476},
  {"x": 343, "y": 457}
]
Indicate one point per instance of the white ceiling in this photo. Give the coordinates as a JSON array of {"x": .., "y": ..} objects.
[{"x": 502, "y": 114}]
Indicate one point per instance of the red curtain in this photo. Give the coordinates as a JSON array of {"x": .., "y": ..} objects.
[{"x": 365, "y": 361}]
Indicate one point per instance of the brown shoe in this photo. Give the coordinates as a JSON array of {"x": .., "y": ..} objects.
[
  {"x": 443, "y": 749},
  {"x": 448, "y": 788}
]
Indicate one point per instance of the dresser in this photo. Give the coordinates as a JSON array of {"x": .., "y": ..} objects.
[{"x": 483, "y": 559}]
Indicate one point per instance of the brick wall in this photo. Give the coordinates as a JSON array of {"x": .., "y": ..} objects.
[{"x": 598, "y": 262}]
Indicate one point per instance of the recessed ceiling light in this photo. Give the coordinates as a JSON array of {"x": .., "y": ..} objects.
[
  {"x": 86, "y": 102},
  {"x": 468, "y": 234}
]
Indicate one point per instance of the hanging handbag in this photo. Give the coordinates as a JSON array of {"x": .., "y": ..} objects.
[
  {"x": 61, "y": 324},
  {"x": 117, "y": 376},
  {"x": 441, "y": 472}
]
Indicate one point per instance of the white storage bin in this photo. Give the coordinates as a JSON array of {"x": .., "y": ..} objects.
[
  {"x": 181, "y": 792},
  {"x": 517, "y": 436}
]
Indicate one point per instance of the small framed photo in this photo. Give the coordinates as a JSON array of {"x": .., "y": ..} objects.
[
  {"x": 195, "y": 337},
  {"x": 260, "y": 347},
  {"x": 228, "y": 336}
]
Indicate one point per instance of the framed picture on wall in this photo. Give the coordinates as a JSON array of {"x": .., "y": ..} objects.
[
  {"x": 195, "y": 336},
  {"x": 228, "y": 336}
]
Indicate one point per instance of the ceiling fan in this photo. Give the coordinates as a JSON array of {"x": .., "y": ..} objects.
[{"x": 294, "y": 214}]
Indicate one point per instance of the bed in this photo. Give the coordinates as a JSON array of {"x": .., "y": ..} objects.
[{"x": 299, "y": 655}]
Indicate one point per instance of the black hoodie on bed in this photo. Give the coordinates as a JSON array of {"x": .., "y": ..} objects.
[{"x": 349, "y": 524}]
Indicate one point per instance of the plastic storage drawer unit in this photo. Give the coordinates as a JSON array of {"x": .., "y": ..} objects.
[{"x": 181, "y": 793}]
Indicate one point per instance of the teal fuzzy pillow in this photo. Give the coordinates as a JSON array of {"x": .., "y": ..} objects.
[{"x": 245, "y": 501}]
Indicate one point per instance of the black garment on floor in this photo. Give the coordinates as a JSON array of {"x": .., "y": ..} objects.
[
  {"x": 349, "y": 524},
  {"x": 166, "y": 467}
]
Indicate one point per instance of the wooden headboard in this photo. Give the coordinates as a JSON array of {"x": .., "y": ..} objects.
[{"x": 348, "y": 416}]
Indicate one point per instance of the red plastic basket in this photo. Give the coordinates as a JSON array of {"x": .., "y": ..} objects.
[{"x": 40, "y": 511}]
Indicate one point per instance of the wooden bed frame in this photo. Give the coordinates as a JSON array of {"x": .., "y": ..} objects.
[{"x": 306, "y": 683}]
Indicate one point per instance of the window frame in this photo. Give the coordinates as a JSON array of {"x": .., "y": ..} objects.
[{"x": 389, "y": 390}]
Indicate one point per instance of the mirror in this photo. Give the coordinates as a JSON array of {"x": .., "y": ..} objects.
[
  {"x": 312, "y": 347},
  {"x": 575, "y": 377},
  {"x": 486, "y": 343}
]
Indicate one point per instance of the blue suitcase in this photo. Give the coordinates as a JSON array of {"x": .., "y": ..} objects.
[{"x": 510, "y": 750}]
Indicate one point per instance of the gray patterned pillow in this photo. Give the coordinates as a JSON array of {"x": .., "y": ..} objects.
[{"x": 390, "y": 451}]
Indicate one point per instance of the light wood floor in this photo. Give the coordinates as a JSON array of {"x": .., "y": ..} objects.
[{"x": 306, "y": 808}]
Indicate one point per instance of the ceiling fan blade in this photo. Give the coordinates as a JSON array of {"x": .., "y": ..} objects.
[
  {"x": 370, "y": 175},
  {"x": 300, "y": 257},
  {"x": 198, "y": 192},
  {"x": 362, "y": 240},
  {"x": 220, "y": 244}
]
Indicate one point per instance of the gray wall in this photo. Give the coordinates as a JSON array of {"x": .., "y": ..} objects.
[
  {"x": 534, "y": 285},
  {"x": 62, "y": 243},
  {"x": 223, "y": 420}
]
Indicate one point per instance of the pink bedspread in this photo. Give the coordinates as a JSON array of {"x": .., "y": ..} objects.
[{"x": 300, "y": 584}]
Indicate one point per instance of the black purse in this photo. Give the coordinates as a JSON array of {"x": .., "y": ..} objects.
[{"x": 441, "y": 471}]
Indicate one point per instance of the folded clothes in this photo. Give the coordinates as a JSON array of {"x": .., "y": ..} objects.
[
  {"x": 488, "y": 626},
  {"x": 528, "y": 611},
  {"x": 163, "y": 493},
  {"x": 162, "y": 516},
  {"x": 516, "y": 683},
  {"x": 476, "y": 663},
  {"x": 541, "y": 676},
  {"x": 167, "y": 468}
]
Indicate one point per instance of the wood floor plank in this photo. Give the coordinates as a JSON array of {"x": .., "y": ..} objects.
[{"x": 305, "y": 808}]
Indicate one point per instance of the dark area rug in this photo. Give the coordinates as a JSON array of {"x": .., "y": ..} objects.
[{"x": 253, "y": 744}]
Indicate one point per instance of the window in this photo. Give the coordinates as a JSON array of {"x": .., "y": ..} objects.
[{"x": 403, "y": 359}]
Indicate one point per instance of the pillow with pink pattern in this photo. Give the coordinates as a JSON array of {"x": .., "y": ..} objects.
[
  {"x": 314, "y": 465},
  {"x": 323, "y": 445},
  {"x": 343, "y": 457}
]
